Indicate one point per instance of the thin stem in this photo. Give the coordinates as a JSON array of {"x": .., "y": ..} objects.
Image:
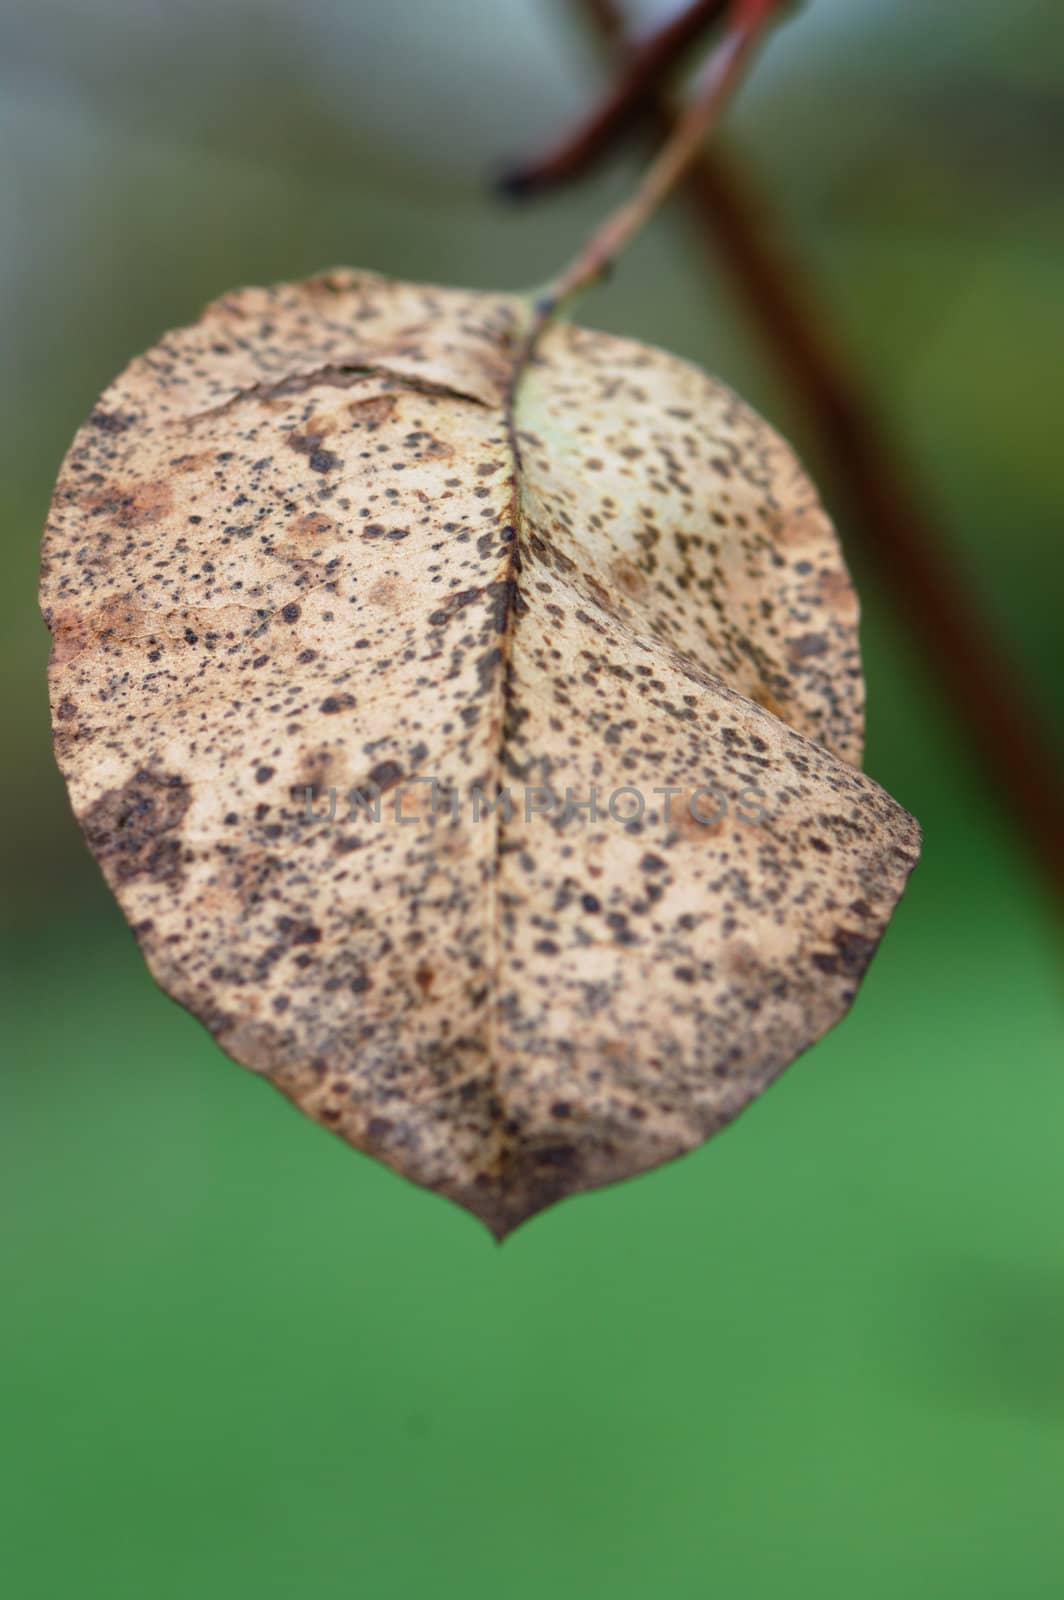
[{"x": 748, "y": 20}]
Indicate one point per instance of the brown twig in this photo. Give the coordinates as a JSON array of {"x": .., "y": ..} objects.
[
  {"x": 896, "y": 533},
  {"x": 644, "y": 70}
]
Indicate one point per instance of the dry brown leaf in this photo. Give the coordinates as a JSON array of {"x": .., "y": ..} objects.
[{"x": 307, "y": 544}]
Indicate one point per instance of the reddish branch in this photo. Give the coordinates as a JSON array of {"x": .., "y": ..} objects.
[
  {"x": 644, "y": 70},
  {"x": 895, "y": 531},
  {"x": 889, "y": 520}
]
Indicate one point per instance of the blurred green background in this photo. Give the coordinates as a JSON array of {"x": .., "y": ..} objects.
[{"x": 824, "y": 1355}]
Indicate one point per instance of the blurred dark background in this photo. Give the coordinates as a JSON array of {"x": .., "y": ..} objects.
[{"x": 825, "y": 1354}]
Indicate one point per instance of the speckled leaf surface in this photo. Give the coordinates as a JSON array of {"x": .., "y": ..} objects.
[{"x": 321, "y": 545}]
